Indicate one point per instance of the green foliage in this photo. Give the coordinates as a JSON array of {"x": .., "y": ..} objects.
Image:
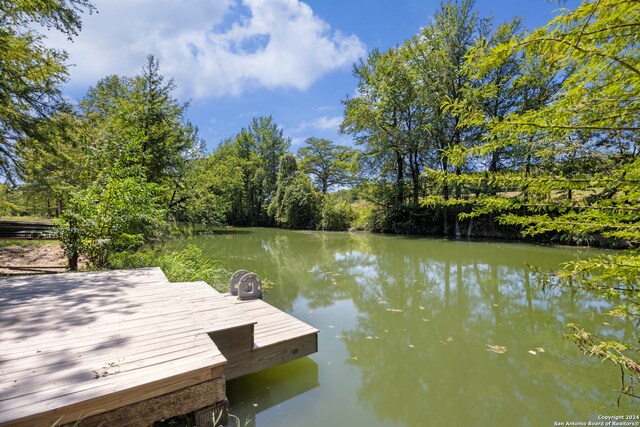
[
  {"x": 336, "y": 215},
  {"x": 296, "y": 203},
  {"x": 120, "y": 213},
  {"x": 364, "y": 216},
  {"x": 136, "y": 123},
  {"x": 209, "y": 188},
  {"x": 250, "y": 160},
  {"x": 329, "y": 164},
  {"x": 117, "y": 169},
  {"x": 187, "y": 265},
  {"x": 52, "y": 171},
  {"x": 30, "y": 73}
]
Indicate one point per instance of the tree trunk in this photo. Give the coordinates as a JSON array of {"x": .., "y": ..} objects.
[
  {"x": 73, "y": 262},
  {"x": 415, "y": 177},
  {"x": 399, "y": 179},
  {"x": 457, "y": 209},
  {"x": 445, "y": 194}
]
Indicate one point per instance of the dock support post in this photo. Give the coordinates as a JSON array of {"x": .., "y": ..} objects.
[{"x": 213, "y": 416}]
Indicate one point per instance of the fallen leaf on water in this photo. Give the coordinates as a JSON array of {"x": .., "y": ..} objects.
[
  {"x": 412, "y": 346},
  {"x": 369, "y": 337},
  {"x": 394, "y": 310},
  {"x": 532, "y": 352},
  {"x": 426, "y": 320},
  {"x": 450, "y": 339},
  {"x": 421, "y": 308},
  {"x": 354, "y": 358},
  {"x": 540, "y": 349},
  {"x": 496, "y": 348},
  {"x": 331, "y": 326}
]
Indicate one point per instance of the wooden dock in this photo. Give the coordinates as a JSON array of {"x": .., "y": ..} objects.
[{"x": 129, "y": 348}]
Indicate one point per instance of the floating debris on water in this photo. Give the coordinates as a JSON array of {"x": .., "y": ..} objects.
[{"x": 496, "y": 348}]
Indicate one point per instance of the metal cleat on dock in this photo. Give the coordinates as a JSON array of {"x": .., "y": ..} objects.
[
  {"x": 246, "y": 285},
  {"x": 235, "y": 279}
]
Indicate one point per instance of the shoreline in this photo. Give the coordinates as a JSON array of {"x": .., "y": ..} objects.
[{"x": 31, "y": 257}]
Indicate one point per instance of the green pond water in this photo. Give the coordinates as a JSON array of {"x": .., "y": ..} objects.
[{"x": 412, "y": 332}]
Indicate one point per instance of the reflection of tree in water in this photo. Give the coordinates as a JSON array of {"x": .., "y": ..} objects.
[{"x": 421, "y": 343}]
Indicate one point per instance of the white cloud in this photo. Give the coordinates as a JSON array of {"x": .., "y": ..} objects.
[
  {"x": 324, "y": 123},
  {"x": 327, "y": 123},
  {"x": 211, "y": 47}
]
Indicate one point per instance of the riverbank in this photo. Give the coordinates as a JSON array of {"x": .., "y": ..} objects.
[{"x": 41, "y": 256}]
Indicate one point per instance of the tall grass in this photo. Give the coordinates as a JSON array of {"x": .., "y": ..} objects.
[{"x": 187, "y": 265}]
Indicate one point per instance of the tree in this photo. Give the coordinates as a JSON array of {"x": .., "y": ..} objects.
[
  {"x": 438, "y": 54},
  {"x": 30, "y": 73},
  {"x": 135, "y": 148},
  {"x": 212, "y": 189},
  {"x": 270, "y": 144},
  {"x": 256, "y": 150},
  {"x": 594, "y": 110},
  {"x": 387, "y": 120},
  {"x": 296, "y": 203},
  {"x": 114, "y": 214},
  {"x": 138, "y": 123},
  {"x": 51, "y": 173},
  {"x": 329, "y": 164}
]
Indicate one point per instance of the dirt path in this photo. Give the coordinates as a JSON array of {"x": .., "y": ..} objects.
[{"x": 41, "y": 257}]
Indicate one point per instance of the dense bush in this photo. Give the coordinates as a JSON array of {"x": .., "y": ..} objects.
[{"x": 337, "y": 215}]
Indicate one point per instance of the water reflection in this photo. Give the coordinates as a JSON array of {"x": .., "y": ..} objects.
[
  {"x": 408, "y": 327},
  {"x": 261, "y": 391}
]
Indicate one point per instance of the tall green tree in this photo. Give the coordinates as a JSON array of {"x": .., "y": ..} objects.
[
  {"x": 387, "y": 120},
  {"x": 51, "y": 173},
  {"x": 140, "y": 124},
  {"x": 30, "y": 73},
  {"x": 438, "y": 57},
  {"x": 329, "y": 164},
  {"x": 296, "y": 203},
  {"x": 257, "y": 149},
  {"x": 135, "y": 149}
]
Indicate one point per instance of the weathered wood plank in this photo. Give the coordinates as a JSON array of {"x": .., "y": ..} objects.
[
  {"x": 210, "y": 394},
  {"x": 106, "y": 392},
  {"x": 105, "y": 402},
  {"x": 266, "y": 357}
]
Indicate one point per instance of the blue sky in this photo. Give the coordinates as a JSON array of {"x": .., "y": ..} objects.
[{"x": 237, "y": 59}]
